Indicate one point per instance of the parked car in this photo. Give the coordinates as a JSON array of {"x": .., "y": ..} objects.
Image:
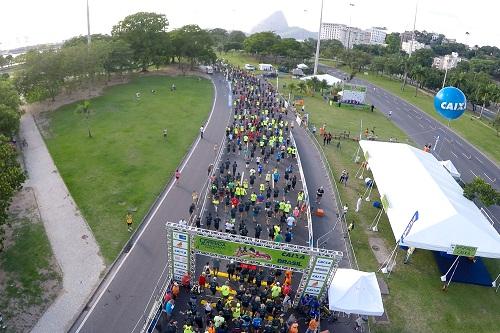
[
  {"x": 270, "y": 74},
  {"x": 249, "y": 67}
]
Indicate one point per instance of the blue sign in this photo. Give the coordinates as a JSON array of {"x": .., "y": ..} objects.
[
  {"x": 450, "y": 102},
  {"x": 414, "y": 219}
]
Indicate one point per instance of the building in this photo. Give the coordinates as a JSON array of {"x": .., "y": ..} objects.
[
  {"x": 448, "y": 61},
  {"x": 413, "y": 45},
  {"x": 350, "y": 36},
  {"x": 406, "y": 36},
  {"x": 377, "y": 35}
]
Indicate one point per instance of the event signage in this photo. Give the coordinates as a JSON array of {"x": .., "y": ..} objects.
[
  {"x": 318, "y": 277},
  {"x": 463, "y": 250},
  {"x": 450, "y": 102},
  {"x": 179, "y": 245},
  {"x": 414, "y": 219},
  {"x": 253, "y": 253}
]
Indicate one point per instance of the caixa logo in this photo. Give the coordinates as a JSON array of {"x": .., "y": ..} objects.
[{"x": 450, "y": 102}]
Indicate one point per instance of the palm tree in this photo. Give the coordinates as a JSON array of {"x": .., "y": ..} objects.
[
  {"x": 84, "y": 108},
  {"x": 487, "y": 92},
  {"x": 310, "y": 86},
  {"x": 292, "y": 87},
  {"x": 418, "y": 74},
  {"x": 323, "y": 85},
  {"x": 302, "y": 87}
]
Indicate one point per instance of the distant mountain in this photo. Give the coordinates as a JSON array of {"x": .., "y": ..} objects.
[{"x": 278, "y": 23}]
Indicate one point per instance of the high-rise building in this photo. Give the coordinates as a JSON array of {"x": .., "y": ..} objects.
[
  {"x": 350, "y": 36},
  {"x": 377, "y": 35}
]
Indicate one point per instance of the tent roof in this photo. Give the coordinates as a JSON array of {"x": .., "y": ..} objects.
[
  {"x": 413, "y": 180},
  {"x": 302, "y": 66},
  {"x": 448, "y": 165},
  {"x": 330, "y": 79},
  {"x": 355, "y": 291}
]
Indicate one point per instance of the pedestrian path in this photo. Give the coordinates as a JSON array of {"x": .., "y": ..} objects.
[{"x": 71, "y": 239}]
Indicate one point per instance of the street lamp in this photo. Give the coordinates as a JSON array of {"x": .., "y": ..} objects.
[
  {"x": 316, "y": 58},
  {"x": 349, "y": 28},
  {"x": 446, "y": 65}
]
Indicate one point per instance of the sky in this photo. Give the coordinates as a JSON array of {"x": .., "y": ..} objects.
[{"x": 28, "y": 22}]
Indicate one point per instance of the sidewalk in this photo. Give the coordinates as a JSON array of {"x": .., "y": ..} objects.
[{"x": 74, "y": 246}]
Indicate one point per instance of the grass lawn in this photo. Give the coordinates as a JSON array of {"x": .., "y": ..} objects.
[
  {"x": 30, "y": 278},
  {"x": 127, "y": 162},
  {"x": 480, "y": 133},
  {"x": 416, "y": 302}
]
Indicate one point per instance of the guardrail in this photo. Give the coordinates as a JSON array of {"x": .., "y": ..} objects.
[{"x": 306, "y": 194}]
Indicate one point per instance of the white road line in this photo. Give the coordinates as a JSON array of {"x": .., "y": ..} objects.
[
  {"x": 448, "y": 140},
  {"x": 432, "y": 127},
  {"x": 479, "y": 160},
  {"x": 458, "y": 142},
  {"x": 428, "y": 120},
  {"x": 419, "y": 124},
  {"x": 147, "y": 222},
  {"x": 473, "y": 173},
  {"x": 454, "y": 154},
  {"x": 467, "y": 157},
  {"x": 492, "y": 180}
]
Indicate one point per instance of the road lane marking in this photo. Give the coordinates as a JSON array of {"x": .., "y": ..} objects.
[
  {"x": 492, "y": 180},
  {"x": 419, "y": 124},
  {"x": 453, "y": 154},
  {"x": 467, "y": 157},
  {"x": 479, "y": 160},
  {"x": 473, "y": 173}
]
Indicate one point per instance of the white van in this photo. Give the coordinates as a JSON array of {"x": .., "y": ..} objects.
[
  {"x": 249, "y": 67},
  {"x": 265, "y": 67}
]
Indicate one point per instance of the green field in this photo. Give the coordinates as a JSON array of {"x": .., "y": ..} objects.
[
  {"x": 480, "y": 133},
  {"x": 30, "y": 278},
  {"x": 416, "y": 302},
  {"x": 127, "y": 162}
]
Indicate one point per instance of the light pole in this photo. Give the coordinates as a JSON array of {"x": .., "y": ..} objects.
[
  {"x": 446, "y": 65},
  {"x": 88, "y": 48},
  {"x": 349, "y": 28},
  {"x": 316, "y": 58}
]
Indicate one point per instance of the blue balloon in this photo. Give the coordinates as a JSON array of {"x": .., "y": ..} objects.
[{"x": 450, "y": 102}]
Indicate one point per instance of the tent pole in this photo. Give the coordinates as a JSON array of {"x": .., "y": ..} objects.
[
  {"x": 446, "y": 285},
  {"x": 371, "y": 188},
  {"x": 494, "y": 283},
  {"x": 385, "y": 264},
  {"x": 376, "y": 220}
]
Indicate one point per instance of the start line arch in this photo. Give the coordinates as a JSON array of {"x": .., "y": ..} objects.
[{"x": 318, "y": 266}]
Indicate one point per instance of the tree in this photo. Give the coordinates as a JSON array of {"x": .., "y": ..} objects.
[
  {"x": 261, "y": 43},
  {"x": 193, "y": 43},
  {"x": 8, "y": 95},
  {"x": 302, "y": 87},
  {"x": 143, "y": 32},
  {"x": 378, "y": 64},
  {"x": 323, "y": 85},
  {"x": 418, "y": 74},
  {"x": 219, "y": 37},
  {"x": 393, "y": 42},
  {"x": 422, "y": 57},
  {"x": 482, "y": 190},
  {"x": 119, "y": 57},
  {"x": 11, "y": 178},
  {"x": 236, "y": 36},
  {"x": 9, "y": 121},
  {"x": 292, "y": 87},
  {"x": 84, "y": 108}
]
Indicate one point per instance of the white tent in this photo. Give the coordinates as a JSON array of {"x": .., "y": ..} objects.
[
  {"x": 411, "y": 180},
  {"x": 302, "y": 66},
  {"x": 355, "y": 291},
  {"x": 448, "y": 165},
  {"x": 330, "y": 79}
]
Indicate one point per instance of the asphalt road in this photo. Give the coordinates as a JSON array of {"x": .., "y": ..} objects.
[{"x": 423, "y": 129}]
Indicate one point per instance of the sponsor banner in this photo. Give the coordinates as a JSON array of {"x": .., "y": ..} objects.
[
  {"x": 251, "y": 252},
  {"x": 312, "y": 291},
  {"x": 180, "y": 252},
  {"x": 180, "y": 236},
  {"x": 180, "y": 244},
  {"x": 315, "y": 284},
  {"x": 178, "y": 277},
  {"x": 319, "y": 277},
  {"x": 321, "y": 269},
  {"x": 180, "y": 272},
  {"x": 180, "y": 259},
  {"x": 181, "y": 265},
  {"x": 324, "y": 262}
]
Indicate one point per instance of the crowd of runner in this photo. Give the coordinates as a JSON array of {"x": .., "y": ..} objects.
[{"x": 261, "y": 195}]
